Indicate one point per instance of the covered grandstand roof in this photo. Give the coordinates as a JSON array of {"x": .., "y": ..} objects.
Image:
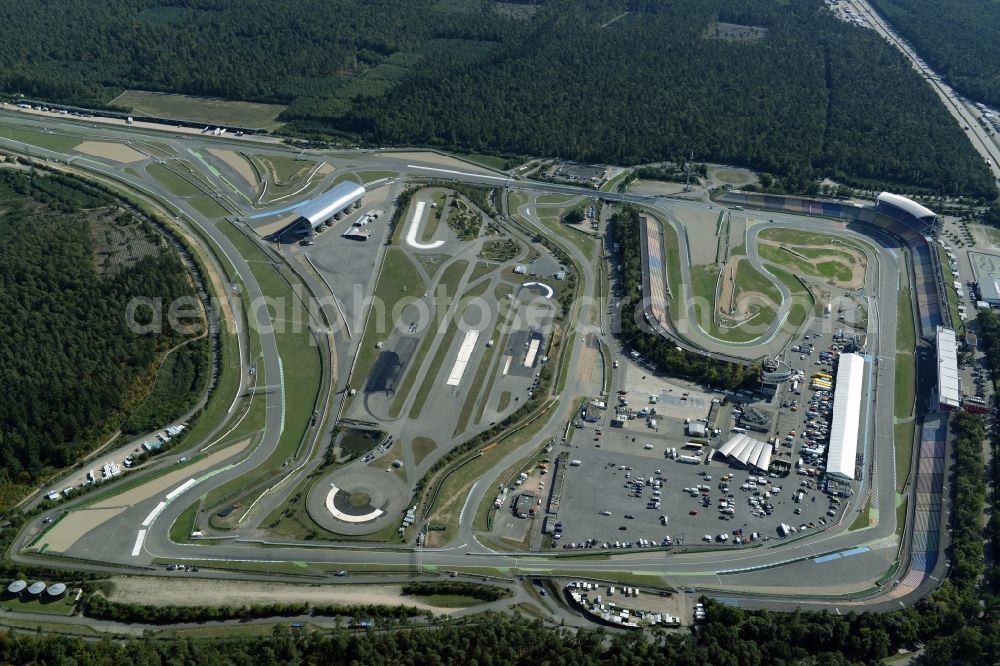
[
  {"x": 908, "y": 205},
  {"x": 947, "y": 356},
  {"x": 325, "y": 206},
  {"x": 843, "y": 451},
  {"x": 748, "y": 452}
]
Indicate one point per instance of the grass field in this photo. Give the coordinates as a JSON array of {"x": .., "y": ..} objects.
[
  {"x": 208, "y": 207},
  {"x": 58, "y": 142},
  {"x": 749, "y": 280},
  {"x": 554, "y": 199},
  {"x": 433, "y": 216},
  {"x": 672, "y": 255},
  {"x": 802, "y": 300},
  {"x": 550, "y": 219},
  {"x": 905, "y": 386},
  {"x": 209, "y": 110},
  {"x": 55, "y": 607},
  {"x": 180, "y": 530},
  {"x": 903, "y": 443},
  {"x": 488, "y": 161},
  {"x": 862, "y": 520},
  {"x": 174, "y": 182},
  {"x": 299, "y": 357},
  {"x": 703, "y": 281},
  {"x": 906, "y": 364},
  {"x": 422, "y": 447},
  {"x": 285, "y": 170}
]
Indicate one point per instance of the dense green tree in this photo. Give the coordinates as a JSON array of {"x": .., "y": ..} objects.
[
  {"x": 812, "y": 97},
  {"x": 69, "y": 363}
]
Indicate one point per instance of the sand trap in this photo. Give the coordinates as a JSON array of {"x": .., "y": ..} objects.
[
  {"x": 194, "y": 592},
  {"x": 238, "y": 164},
  {"x": 81, "y": 521},
  {"x": 115, "y": 152},
  {"x": 75, "y": 525},
  {"x": 276, "y": 226}
]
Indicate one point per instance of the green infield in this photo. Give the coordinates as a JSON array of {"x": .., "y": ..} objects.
[
  {"x": 253, "y": 115},
  {"x": 174, "y": 182}
]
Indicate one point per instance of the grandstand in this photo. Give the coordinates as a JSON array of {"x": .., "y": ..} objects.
[
  {"x": 925, "y": 545},
  {"x": 656, "y": 268}
]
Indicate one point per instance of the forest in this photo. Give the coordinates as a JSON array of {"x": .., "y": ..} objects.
[
  {"x": 626, "y": 81},
  {"x": 70, "y": 366},
  {"x": 958, "y": 38}
]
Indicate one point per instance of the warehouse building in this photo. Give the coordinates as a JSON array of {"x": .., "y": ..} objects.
[
  {"x": 842, "y": 456},
  {"x": 986, "y": 268}
]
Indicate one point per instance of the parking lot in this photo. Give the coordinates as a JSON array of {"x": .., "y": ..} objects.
[
  {"x": 627, "y": 480},
  {"x": 611, "y": 497}
]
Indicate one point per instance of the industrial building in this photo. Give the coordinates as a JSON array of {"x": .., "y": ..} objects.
[
  {"x": 842, "y": 455},
  {"x": 525, "y": 505},
  {"x": 316, "y": 211},
  {"x": 986, "y": 268},
  {"x": 949, "y": 394},
  {"x": 748, "y": 452},
  {"x": 697, "y": 429}
]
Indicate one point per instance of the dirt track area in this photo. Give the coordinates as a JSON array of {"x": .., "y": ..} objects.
[
  {"x": 115, "y": 152},
  {"x": 199, "y": 592},
  {"x": 856, "y": 261},
  {"x": 237, "y": 164}
]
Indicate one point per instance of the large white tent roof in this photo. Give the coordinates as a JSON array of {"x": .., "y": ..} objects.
[
  {"x": 331, "y": 202},
  {"x": 947, "y": 355},
  {"x": 846, "y": 418},
  {"x": 748, "y": 451}
]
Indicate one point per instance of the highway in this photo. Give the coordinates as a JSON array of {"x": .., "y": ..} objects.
[
  {"x": 699, "y": 568},
  {"x": 966, "y": 115}
]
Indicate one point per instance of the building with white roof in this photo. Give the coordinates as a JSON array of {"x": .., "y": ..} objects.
[
  {"x": 907, "y": 205},
  {"x": 315, "y": 212},
  {"x": 844, "y": 425},
  {"x": 748, "y": 452},
  {"x": 949, "y": 393}
]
